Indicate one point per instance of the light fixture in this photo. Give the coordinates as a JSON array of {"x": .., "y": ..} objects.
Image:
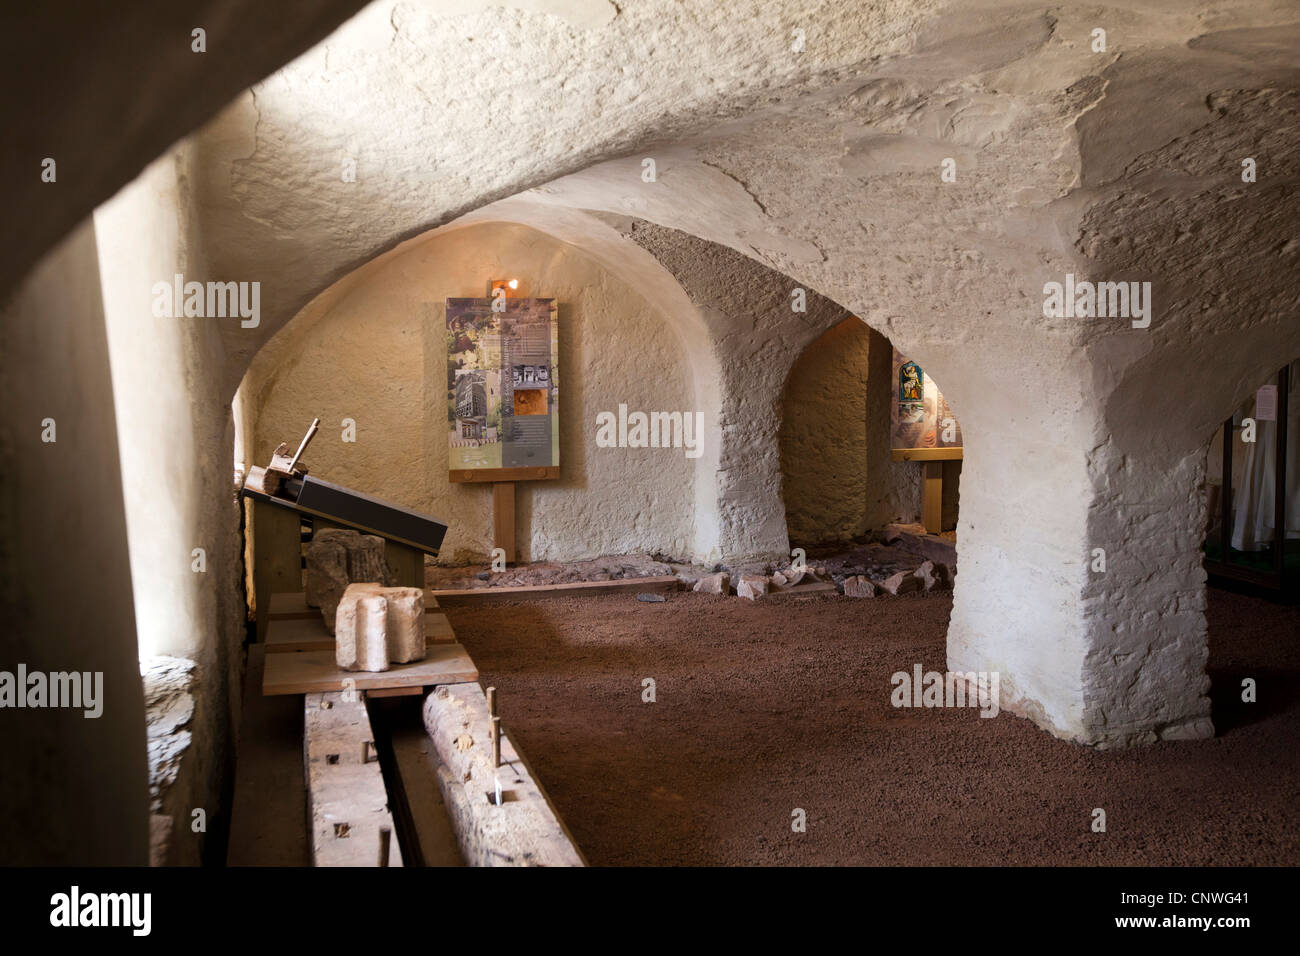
[{"x": 510, "y": 287}]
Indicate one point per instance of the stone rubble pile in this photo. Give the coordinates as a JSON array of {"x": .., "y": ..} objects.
[{"x": 904, "y": 559}]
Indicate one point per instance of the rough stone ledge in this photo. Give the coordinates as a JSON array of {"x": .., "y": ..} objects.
[{"x": 169, "y": 687}]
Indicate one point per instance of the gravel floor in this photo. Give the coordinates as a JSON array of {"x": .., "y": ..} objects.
[{"x": 770, "y": 706}]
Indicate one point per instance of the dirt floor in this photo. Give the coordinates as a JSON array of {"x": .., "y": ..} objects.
[{"x": 769, "y": 706}]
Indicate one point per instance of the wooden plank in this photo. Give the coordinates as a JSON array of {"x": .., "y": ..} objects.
[
  {"x": 503, "y": 518},
  {"x": 349, "y": 508},
  {"x": 310, "y": 672},
  {"x": 293, "y": 607},
  {"x": 268, "y": 822},
  {"x": 932, "y": 502},
  {"x": 463, "y": 475},
  {"x": 346, "y": 798},
  {"x": 804, "y": 590},
  {"x": 437, "y": 629},
  {"x": 925, "y": 454},
  {"x": 407, "y": 565},
  {"x": 310, "y": 635},
  {"x": 653, "y": 585},
  {"x": 277, "y": 557},
  {"x": 1280, "y": 503},
  {"x": 417, "y": 767},
  {"x": 396, "y": 692}
]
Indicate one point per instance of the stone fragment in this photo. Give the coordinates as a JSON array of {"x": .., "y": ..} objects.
[
  {"x": 902, "y": 582},
  {"x": 752, "y": 586},
  {"x": 719, "y": 583},
  {"x": 859, "y": 587},
  {"x": 793, "y": 575},
  {"x": 928, "y": 576},
  {"x": 780, "y": 580},
  {"x": 337, "y": 557},
  {"x": 378, "y": 625},
  {"x": 894, "y": 531},
  {"x": 647, "y": 598}
]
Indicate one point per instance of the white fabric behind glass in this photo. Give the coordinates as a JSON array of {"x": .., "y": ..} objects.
[{"x": 1253, "y": 501}]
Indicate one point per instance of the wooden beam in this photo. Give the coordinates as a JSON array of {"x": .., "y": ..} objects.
[
  {"x": 926, "y": 454},
  {"x": 401, "y": 723},
  {"x": 267, "y": 827},
  {"x": 293, "y": 607},
  {"x": 503, "y": 518},
  {"x": 810, "y": 589},
  {"x": 347, "y": 803},
  {"x": 277, "y": 557},
  {"x": 1279, "y": 475},
  {"x": 932, "y": 502},
  {"x": 310, "y": 672},
  {"x": 1225, "y": 492},
  {"x": 464, "y": 475},
  {"x": 310, "y": 635},
  {"x": 525, "y": 830},
  {"x": 395, "y": 692},
  {"x": 655, "y": 585},
  {"x": 406, "y": 563}
]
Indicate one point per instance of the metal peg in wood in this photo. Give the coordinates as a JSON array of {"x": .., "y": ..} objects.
[
  {"x": 385, "y": 837},
  {"x": 492, "y": 701},
  {"x": 365, "y": 750},
  {"x": 496, "y": 741}
]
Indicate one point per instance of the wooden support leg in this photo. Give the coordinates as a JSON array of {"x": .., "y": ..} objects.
[
  {"x": 932, "y": 498},
  {"x": 406, "y": 563},
  {"x": 503, "y": 518},
  {"x": 277, "y": 556}
]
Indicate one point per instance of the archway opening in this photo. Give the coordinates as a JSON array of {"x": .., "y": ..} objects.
[
  {"x": 1252, "y": 551},
  {"x": 1253, "y": 491},
  {"x": 870, "y": 457}
]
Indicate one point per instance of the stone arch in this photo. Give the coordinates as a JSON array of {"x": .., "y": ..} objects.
[
  {"x": 927, "y": 266},
  {"x": 878, "y": 98},
  {"x": 838, "y": 480},
  {"x": 645, "y": 281}
]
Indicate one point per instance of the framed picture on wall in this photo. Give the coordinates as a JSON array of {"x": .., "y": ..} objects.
[
  {"x": 922, "y": 426},
  {"x": 502, "y": 389}
]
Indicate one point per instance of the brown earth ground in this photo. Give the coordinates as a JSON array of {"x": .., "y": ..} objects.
[{"x": 764, "y": 707}]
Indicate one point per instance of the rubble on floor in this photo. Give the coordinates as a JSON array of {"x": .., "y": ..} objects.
[
  {"x": 900, "y": 559},
  {"x": 608, "y": 568}
]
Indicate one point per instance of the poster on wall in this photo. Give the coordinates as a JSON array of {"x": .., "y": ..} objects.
[
  {"x": 502, "y": 387},
  {"x": 920, "y": 419}
]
